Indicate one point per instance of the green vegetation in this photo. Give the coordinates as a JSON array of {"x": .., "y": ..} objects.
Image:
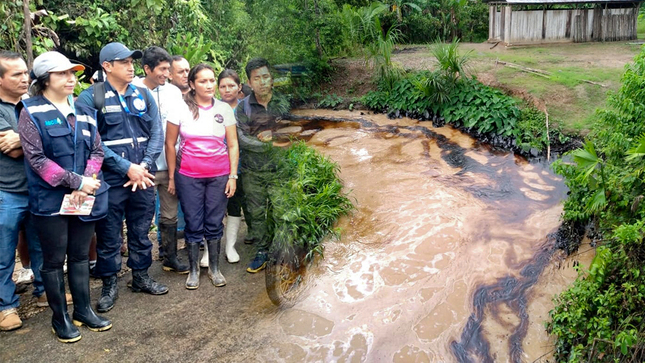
[
  {"x": 531, "y": 132},
  {"x": 306, "y": 201},
  {"x": 571, "y": 98},
  {"x": 461, "y": 100},
  {"x": 600, "y": 318},
  {"x": 330, "y": 101},
  {"x": 226, "y": 33}
]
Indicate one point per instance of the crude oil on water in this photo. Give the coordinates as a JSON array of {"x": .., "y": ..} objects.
[{"x": 447, "y": 257}]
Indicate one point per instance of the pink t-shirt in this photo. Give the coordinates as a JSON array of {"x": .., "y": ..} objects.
[{"x": 202, "y": 151}]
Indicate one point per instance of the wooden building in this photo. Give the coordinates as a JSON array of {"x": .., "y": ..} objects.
[{"x": 535, "y": 21}]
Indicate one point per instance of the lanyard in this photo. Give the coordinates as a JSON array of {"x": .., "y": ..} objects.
[{"x": 139, "y": 103}]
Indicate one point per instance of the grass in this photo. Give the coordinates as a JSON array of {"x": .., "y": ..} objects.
[{"x": 571, "y": 100}]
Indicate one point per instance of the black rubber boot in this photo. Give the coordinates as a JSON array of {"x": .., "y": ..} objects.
[
  {"x": 109, "y": 294},
  {"x": 213, "y": 262},
  {"x": 78, "y": 274},
  {"x": 169, "y": 247},
  {"x": 142, "y": 282},
  {"x": 62, "y": 325},
  {"x": 192, "y": 282}
]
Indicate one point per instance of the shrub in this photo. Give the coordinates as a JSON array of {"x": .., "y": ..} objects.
[
  {"x": 306, "y": 200},
  {"x": 600, "y": 318}
]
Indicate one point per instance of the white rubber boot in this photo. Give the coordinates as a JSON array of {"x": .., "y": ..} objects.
[
  {"x": 232, "y": 227},
  {"x": 204, "y": 261}
]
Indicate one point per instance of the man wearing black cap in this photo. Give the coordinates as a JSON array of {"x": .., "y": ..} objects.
[{"x": 128, "y": 121}]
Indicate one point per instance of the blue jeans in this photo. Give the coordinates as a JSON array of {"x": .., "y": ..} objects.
[{"x": 14, "y": 213}]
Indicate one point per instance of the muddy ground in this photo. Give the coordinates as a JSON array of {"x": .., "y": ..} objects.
[{"x": 208, "y": 324}]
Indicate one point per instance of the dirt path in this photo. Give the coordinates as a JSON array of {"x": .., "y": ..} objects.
[{"x": 202, "y": 325}]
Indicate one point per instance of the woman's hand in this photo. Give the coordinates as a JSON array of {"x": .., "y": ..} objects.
[
  {"x": 78, "y": 197},
  {"x": 90, "y": 185},
  {"x": 230, "y": 188},
  {"x": 171, "y": 186}
]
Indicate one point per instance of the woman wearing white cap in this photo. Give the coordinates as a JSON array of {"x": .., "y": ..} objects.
[{"x": 64, "y": 156}]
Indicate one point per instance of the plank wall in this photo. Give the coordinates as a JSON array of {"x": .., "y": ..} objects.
[{"x": 576, "y": 25}]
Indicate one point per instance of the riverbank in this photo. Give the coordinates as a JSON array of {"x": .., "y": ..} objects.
[{"x": 581, "y": 74}]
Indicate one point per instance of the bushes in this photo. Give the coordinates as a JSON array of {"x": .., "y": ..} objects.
[
  {"x": 600, "y": 318},
  {"x": 530, "y": 130},
  {"x": 450, "y": 95},
  {"x": 467, "y": 103},
  {"x": 306, "y": 201}
]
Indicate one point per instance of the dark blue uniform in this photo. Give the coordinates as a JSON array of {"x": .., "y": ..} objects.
[
  {"x": 131, "y": 132},
  {"x": 67, "y": 147}
]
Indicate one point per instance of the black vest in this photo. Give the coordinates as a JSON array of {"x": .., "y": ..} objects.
[{"x": 68, "y": 147}]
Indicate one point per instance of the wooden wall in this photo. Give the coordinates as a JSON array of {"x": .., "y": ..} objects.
[{"x": 575, "y": 25}]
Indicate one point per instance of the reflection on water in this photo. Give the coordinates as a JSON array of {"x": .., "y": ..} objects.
[{"x": 446, "y": 258}]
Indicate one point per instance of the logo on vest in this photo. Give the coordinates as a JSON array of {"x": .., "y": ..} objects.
[
  {"x": 57, "y": 121},
  {"x": 139, "y": 104}
]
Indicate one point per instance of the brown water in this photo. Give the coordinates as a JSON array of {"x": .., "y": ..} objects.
[{"x": 446, "y": 259}]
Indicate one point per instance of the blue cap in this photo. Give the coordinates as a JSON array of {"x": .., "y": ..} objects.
[{"x": 118, "y": 51}]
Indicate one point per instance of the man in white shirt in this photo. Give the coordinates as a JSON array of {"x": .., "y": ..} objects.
[
  {"x": 179, "y": 68},
  {"x": 156, "y": 63}
]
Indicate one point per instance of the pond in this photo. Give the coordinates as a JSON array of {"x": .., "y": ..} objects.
[{"x": 448, "y": 256}]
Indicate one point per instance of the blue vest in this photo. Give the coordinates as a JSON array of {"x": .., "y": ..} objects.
[
  {"x": 68, "y": 147},
  {"x": 125, "y": 133}
]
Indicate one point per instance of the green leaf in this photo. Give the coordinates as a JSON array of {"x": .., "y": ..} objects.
[{"x": 586, "y": 158}]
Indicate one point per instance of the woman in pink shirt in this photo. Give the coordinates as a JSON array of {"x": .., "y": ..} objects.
[{"x": 203, "y": 172}]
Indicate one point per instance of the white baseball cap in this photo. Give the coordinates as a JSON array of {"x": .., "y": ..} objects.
[{"x": 53, "y": 62}]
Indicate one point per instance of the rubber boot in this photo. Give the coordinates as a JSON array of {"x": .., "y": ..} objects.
[
  {"x": 78, "y": 275},
  {"x": 192, "y": 282},
  {"x": 232, "y": 227},
  {"x": 169, "y": 247},
  {"x": 109, "y": 294},
  {"x": 204, "y": 261},
  {"x": 142, "y": 282},
  {"x": 62, "y": 325},
  {"x": 213, "y": 262}
]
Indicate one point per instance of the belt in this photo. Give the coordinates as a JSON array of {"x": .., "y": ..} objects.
[{"x": 124, "y": 141}]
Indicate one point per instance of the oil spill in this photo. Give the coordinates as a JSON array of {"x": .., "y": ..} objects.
[{"x": 446, "y": 257}]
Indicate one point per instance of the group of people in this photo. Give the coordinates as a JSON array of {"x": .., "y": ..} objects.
[{"x": 113, "y": 146}]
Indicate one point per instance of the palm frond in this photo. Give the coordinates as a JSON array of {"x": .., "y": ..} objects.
[{"x": 638, "y": 150}]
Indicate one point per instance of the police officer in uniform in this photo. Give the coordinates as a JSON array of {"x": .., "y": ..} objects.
[{"x": 129, "y": 125}]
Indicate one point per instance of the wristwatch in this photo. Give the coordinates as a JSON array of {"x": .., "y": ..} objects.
[
  {"x": 145, "y": 165},
  {"x": 233, "y": 176}
]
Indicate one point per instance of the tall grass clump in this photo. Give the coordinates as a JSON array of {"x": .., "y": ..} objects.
[{"x": 450, "y": 61}]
